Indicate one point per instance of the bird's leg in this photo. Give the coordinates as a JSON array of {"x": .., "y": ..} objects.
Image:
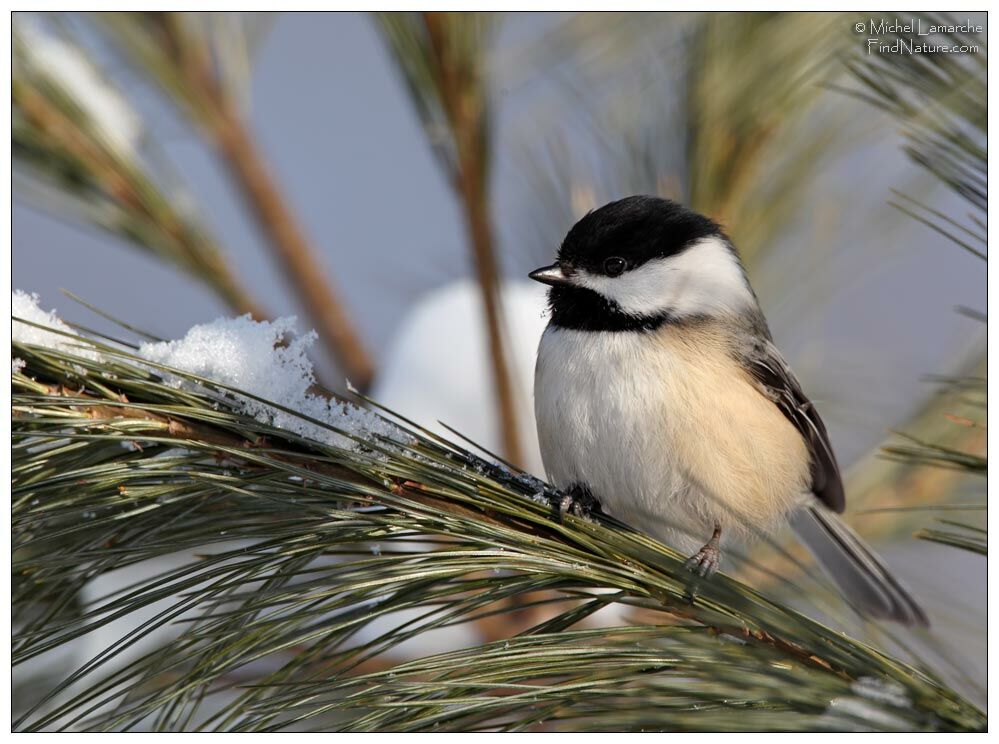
[
  {"x": 579, "y": 500},
  {"x": 706, "y": 561}
]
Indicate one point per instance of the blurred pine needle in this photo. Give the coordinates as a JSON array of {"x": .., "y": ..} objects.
[
  {"x": 75, "y": 158},
  {"x": 962, "y": 535},
  {"x": 690, "y": 107},
  {"x": 941, "y": 102},
  {"x": 200, "y": 62}
]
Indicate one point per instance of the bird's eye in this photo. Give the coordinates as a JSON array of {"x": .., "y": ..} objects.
[{"x": 615, "y": 266}]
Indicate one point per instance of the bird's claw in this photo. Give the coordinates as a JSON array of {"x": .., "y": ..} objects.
[
  {"x": 705, "y": 562},
  {"x": 578, "y": 501}
]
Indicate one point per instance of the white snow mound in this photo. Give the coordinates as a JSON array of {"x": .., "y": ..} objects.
[
  {"x": 269, "y": 360},
  {"x": 437, "y": 367},
  {"x": 25, "y": 306}
]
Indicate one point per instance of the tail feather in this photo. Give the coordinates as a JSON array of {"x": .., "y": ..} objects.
[{"x": 856, "y": 568}]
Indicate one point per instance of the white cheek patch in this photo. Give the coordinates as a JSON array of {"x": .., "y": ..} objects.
[{"x": 705, "y": 279}]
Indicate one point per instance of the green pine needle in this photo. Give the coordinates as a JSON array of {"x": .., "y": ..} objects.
[{"x": 309, "y": 564}]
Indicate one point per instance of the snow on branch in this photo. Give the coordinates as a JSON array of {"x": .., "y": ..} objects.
[{"x": 266, "y": 359}]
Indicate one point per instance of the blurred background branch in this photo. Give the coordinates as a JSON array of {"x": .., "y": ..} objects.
[
  {"x": 940, "y": 101},
  {"x": 186, "y": 55},
  {"x": 442, "y": 57},
  {"x": 201, "y": 63},
  {"x": 749, "y": 156},
  {"x": 75, "y": 143},
  {"x": 690, "y": 108}
]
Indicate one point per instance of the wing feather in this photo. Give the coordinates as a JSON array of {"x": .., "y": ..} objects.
[{"x": 778, "y": 383}]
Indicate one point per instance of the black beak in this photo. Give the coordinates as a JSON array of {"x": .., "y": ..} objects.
[{"x": 551, "y": 275}]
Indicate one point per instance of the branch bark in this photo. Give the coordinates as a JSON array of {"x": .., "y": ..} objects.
[{"x": 463, "y": 102}]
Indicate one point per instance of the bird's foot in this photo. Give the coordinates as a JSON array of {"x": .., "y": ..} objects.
[
  {"x": 577, "y": 500},
  {"x": 705, "y": 561}
]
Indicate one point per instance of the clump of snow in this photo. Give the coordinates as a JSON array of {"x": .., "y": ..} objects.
[
  {"x": 265, "y": 359},
  {"x": 25, "y": 306},
  {"x": 269, "y": 360},
  {"x": 16, "y": 365},
  {"x": 64, "y": 66}
]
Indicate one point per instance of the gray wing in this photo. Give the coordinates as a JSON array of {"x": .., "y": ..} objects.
[{"x": 778, "y": 383}]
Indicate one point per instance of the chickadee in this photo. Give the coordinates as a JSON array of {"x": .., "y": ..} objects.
[{"x": 661, "y": 399}]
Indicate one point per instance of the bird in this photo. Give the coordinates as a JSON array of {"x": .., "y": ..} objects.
[{"x": 662, "y": 400}]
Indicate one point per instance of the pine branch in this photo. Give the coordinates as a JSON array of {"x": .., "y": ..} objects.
[
  {"x": 303, "y": 549},
  {"x": 964, "y": 536}
]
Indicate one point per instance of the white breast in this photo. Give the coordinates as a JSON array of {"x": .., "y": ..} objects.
[{"x": 667, "y": 431}]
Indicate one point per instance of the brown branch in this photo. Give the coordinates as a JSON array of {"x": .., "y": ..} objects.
[
  {"x": 464, "y": 105},
  {"x": 160, "y": 425},
  {"x": 273, "y": 215},
  {"x": 297, "y": 259}
]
